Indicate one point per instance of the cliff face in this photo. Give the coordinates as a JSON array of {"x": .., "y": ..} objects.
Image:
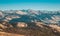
[{"x": 38, "y": 29}]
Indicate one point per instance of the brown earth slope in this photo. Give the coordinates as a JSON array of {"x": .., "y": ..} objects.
[{"x": 39, "y": 29}]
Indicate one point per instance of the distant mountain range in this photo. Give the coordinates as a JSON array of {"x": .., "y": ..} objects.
[{"x": 30, "y": 16}]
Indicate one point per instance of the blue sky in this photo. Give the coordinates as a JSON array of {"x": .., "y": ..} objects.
[{"x": 30, "y": 4}]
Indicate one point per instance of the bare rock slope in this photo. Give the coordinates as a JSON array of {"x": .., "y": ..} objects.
[{"x": 38, "y": 29}]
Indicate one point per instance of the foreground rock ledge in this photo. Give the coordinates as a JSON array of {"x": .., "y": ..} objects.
[{"x": 9, "y": 34}]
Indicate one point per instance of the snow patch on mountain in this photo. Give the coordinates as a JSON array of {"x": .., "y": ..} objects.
[{"x": 21, "y": 13}]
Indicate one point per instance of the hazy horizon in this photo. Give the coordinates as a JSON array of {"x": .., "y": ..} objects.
[{"x": 30, "y": 4}]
